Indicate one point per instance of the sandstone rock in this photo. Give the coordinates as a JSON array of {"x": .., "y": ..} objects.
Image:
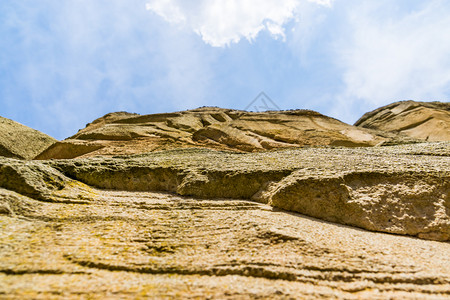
[
  {"x": 215, "y": 128},
  {"x": 363, "y": 187},
  {"x": 20, "y": 141},
  {"x": 414, "y": 203},
  {"x": 203, "y": 223},
  {"x": 154, "y": 245},
  {"x": 428, "y": 121},
  {"x": 388, "y": 189},
  {"x": 39, "y": 181},
  {"x": 61, "y": 238}
]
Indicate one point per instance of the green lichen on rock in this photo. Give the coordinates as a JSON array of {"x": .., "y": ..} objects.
[{"x": 62, "y": 238}]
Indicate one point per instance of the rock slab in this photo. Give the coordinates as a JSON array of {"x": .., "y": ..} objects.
[{"x": 20, "y": 141}]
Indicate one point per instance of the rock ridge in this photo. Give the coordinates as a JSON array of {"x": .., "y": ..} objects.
[
  {"x": 214, "y": 128},
  {"x": 421, "y": 120}
]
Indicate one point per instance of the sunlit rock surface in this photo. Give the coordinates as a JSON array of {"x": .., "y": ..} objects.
[
  {"x": 215, "y": 128},
  {"x": 202, "y": 223},
  {"x": 20, "y": 141},
  {"x": 428, "y": 121},
  {"x": 225, "y": 204}
]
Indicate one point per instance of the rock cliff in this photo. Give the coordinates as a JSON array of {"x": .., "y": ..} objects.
[
  {"x": 202, "y": 223},
  {"x": 224, "y": 204},
  {"x": 428, "y": 121}
]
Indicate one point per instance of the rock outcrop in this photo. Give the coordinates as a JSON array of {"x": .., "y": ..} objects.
[
  {"x": 180, "y": 224},
  {"x": 40, "y": 181},
  {"x": 20, "y": 141},
  {"x": 363, "y": 187},
  {"x": 428, "y": 121},
  {"x": 225, "y": 204},
  {"x": 151, "y": 245},
  {"x": 214, "y": 128},
  {"x": 360, "y": 187}
]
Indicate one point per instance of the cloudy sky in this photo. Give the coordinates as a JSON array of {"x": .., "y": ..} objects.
[{"x": 64, "y": 63}]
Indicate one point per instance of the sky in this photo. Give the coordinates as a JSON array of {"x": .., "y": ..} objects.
[{"x": 64, "y": 63}]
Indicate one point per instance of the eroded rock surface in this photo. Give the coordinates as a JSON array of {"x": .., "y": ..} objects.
[
  {"x": 389, "y": 189},
  {"x": 199, "y": 223},
  {"x": 428, "y": 121},
  {"x": 20, "y": 141},
  {"x": 141, "y": 244},
  {"x": 215, "y": 128}
]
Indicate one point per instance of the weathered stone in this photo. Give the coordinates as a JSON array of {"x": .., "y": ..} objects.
[
  {"x": 202, "y": 223},
  {"x": 428, "y": 121},
  {"x": 39, "y": 181},
  {"x": 20, "y": 141},
  {"x": 412, "y": 203},
  {"x": 214, "y": 128},
  {"x": 363, "y": 187},
  {"x": 131, "y": 245}
]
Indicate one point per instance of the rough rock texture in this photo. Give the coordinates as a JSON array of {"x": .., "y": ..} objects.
[
  {"x": 40, "y": 182},
  {"x": 20, "y": 141},
  {"x": 428, "y": 121},
  {"x": 151, "y": 245},
  {"x": 385, "y": 189},
  {"x": 107, "y": 228},
  {"x": 123, "y": 133}
]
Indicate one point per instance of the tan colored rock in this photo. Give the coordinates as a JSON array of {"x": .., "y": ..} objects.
[
  {"x": 415, "y": 203},
  {"x": 151, "y": 245},
  {"x": 214, "y": 128},
  {"x": 20, "y": 141},
  {"x": 199, "y": 223},
  {"x": 40, "y": 181},
  {"x": 107, "y": 228},
  {"x": 388, "y": 189},
  {"x": 428, "y": 121}
]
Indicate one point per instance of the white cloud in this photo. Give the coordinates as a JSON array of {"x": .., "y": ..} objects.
[
  {"x": 221, "y": 22},
  {"x": 390, "y": 57},
  {"x": 70, "y": 62}
]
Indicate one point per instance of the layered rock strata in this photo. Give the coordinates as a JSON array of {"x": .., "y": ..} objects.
[
  {"x": 180, "y": 224},
  {"x": 428, "y": 121},
  {"x": 132, "y": 245},
  {"x": 388, "y": 189},
  {"x": 214, "y": 128}
]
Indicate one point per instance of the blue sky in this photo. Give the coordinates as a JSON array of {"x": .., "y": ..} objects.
[{"x": 64, "y": 63}]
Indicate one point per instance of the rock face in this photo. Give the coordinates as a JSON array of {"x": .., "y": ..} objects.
[
  {"x": 360, "y": 187},
  {"x": 198, "y": 223},
  {"x": 151, "y": 245},
  {"x": 169, "y": 211},
  {"x": 20, "y": 141},
  {"x": 428, "y": 121},
  {"x": 214, "y": 128}
]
